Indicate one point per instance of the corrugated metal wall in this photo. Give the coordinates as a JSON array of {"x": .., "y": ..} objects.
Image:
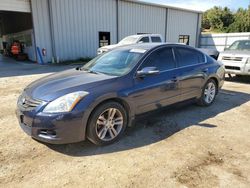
[
  {"x": 138, "y": 18},
  {"x": 76, "y": 26},
  {"x": 69, "y": 29},
  {"x": 15, "y": 5},
  {"x": 41, "y": 24},
  {"x": 181, "y": 23}
]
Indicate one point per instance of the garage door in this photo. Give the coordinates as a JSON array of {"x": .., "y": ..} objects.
[{"x": 15, "y": 5}]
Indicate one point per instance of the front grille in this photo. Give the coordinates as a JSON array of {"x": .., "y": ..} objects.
[
  {"x": 227, "y": 58},
  {"x": 232, "y": 67},
  {"x": 28, "y": 103}
]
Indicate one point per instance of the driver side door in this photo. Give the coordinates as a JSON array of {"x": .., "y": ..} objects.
[{"x": 157, "y": 90}]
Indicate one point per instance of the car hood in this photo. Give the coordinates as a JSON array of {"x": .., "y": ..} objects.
[
  {"x": 58, "y": 84},
  {"x": 242, "y": 53}
]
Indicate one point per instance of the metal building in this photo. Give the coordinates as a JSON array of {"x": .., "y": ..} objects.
[{"x": 71, "y": 29}]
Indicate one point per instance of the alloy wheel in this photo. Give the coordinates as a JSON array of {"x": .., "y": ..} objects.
[
  {"x": 210, "y": 92},
  {"x": 109, "y": 124}
]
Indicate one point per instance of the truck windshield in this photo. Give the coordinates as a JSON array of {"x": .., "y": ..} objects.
[
  {"x": 128, "y": 40},
  {"x": 115, "y": 63},
  {"x": 240, "y": 45}
]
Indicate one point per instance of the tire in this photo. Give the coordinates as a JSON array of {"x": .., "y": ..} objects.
[
  {"x": 102, "y": 129},
  {"x": 205, "y": 100}
]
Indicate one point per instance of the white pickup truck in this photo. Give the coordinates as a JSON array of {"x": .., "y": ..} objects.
[
  {"x": 133, "y": 39},
  {"x": 236, "y": 58}
]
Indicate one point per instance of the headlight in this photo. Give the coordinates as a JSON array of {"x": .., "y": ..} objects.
[
  {"x": 65, "y": 103},
  {"x": 99, "y": 51},
  {"x": 219, "y": 58},
  {"x": 248, "y": 60}
]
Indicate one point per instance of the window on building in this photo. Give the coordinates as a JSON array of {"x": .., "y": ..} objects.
[
  {"x": 184, "y": 39},
  {"x": 156, "y": 39},
  {"x": 187, "y": 57},
  {"x": 162, "y": 59},
  {"x": 104, "y": 39}
]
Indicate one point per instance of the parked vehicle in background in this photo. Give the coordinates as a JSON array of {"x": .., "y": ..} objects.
[
  {"x": 99, "y": 100},
  {"x": 236, "y": 58},
  {"x": 133, "y": 39}
]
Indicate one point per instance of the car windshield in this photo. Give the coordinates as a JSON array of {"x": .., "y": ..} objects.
[
  {"x": 240, "y": 45},
  {"x": 115, "y": 63},
  {"x": 128, "y": 40}
]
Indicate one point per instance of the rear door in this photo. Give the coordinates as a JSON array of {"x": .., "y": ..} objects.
[
  {"x": 193, "y": 70},
  {"x": 156, "y": 91}
]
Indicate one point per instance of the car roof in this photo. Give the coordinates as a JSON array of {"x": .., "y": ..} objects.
[
  {"x": 145, "y": 35},
  {"x": 147, "y": 46}
]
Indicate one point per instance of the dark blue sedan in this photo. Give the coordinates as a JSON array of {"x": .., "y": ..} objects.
[{"x": 99, "y": 100}]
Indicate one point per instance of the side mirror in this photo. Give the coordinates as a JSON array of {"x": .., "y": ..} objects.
[
  {"x": 225, "y": 49},
  {"x": 147, "y": 71}
]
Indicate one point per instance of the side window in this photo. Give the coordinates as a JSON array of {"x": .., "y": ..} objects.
[
  {"x": 187, "y": 57},
  {"x": 162, "y": 59},
  {"x": 144, "y": 39},
  {"x": 156, "y": 39}
]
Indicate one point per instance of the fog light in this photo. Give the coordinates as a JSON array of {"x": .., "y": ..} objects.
[{"x": 48, "y": 133}]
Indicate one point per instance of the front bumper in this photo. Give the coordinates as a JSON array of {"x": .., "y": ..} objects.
[
  {"x": 236, "y": 68},
  {"x": 53, "y": 128}
]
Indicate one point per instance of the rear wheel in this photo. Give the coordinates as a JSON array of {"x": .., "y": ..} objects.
[
  {"x": 107, "y": 123},
  {"x": 208, "y": 93}
]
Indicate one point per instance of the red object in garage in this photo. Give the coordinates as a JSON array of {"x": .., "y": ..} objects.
[{"x": 15, "y": 48}]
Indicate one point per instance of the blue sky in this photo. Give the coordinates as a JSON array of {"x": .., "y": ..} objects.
[{"x": 203, "y": 4}]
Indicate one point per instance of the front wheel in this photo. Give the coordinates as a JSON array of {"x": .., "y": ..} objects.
[
  {"x": 208, "y": 93},
  {"x": 107, "y": 123}
]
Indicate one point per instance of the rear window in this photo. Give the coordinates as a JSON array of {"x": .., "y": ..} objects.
[{"x": 156, "y": 39}]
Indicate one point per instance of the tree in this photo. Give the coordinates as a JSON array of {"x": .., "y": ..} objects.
[
  {"x": 217, "y": 18},
  {"x": 242, "y": 21},
  {"x": 205, "y": 24},
  {"x": 223, "y": 20}
]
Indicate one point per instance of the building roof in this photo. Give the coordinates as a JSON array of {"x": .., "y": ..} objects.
[{"x": 163, "y": 6}]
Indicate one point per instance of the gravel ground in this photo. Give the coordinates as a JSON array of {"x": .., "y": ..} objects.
[{"x": 181, "y": 146}]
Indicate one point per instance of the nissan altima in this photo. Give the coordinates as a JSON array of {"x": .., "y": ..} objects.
[{"x": 100, "y": 99}]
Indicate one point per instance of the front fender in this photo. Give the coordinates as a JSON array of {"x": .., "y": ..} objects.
[{"x": 99, "y": 100}]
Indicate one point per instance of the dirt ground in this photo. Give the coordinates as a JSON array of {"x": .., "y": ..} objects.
[{"x": 182, "y": 146}]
